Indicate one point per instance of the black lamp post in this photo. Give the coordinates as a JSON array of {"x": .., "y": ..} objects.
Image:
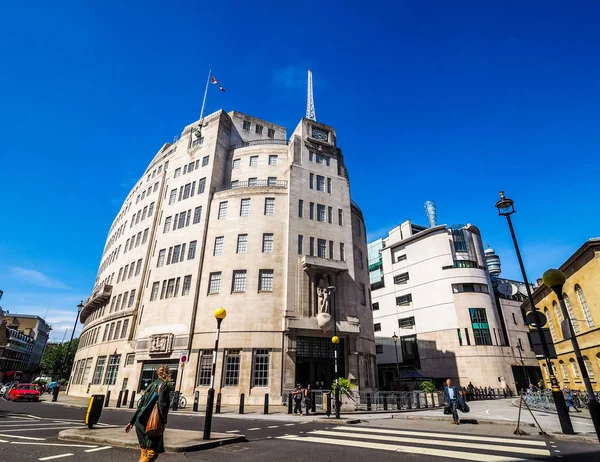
[
  {"x": 555, "y": 279},
  {"x": 395, "y": 339},
  {"x": 335, "y": 340},
  {"x": 506, "y": 208},
  {"x": 219, "y": 314},
  {"x": 66, "y": 359}
]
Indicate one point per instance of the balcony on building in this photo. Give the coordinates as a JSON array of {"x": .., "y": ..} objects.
[{"x": 98, "y": 298}]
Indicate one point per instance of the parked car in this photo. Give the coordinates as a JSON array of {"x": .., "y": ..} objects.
[
  {"x": 25, "y": 392},
  {"x": 5, "y": 388}
]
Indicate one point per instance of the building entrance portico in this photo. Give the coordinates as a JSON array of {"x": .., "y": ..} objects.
[{"x": 315, "y": 363}]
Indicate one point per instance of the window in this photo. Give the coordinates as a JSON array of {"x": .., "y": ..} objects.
[
  {"x": 329, "y": 215},
  {"x": 177, "y": 172},
  {"x": 138, "y": 239},
  {"x": 273, "y": 159},
  {"x": 514, "y": 318},
  {"x": 331, "y": 250},
  {"x": 404, "y": 300},
  {"x": 187, "y": 189},
  {"x": 375, "y": 306},
  {"x": 192, "y": 251},
  {"x": 170, "y": 288},
  {"x": 125, "y": 295},
  {"x": 237, "y": 163},
  {"x": 138, "y": 267},
  {"x": 342, "y": 252},
  {"x": 340, "y": 217},
  {"x": 320, "y": 183},
  {"x": 270, "y": 206},
  {"x": 245, "y": 126},
  {"x": 154, "y": 292},
  {"x": 467, "y": 336},
  {"x": 588, "y": 367},
  {"x": 144, "y": 211},
  {"x": 300, "y": 243},
  {"x": 401, "y": 278},
  {"x": 460, "y": 340},
  {"x": 201, "y": 185},
  {"x": 464, "y": 264},
  {"x": 260, "y": 368},
  {"x": 311, "y": 180},
  {"x": 363, "y": 294},
  {"x": 379, "y": 349},
  {"x": 571, "y": 314},
  {"x": 356, "y": 226},
  {"x": 321, "y": 213},
  {"x": 197, "y": 214},
  {"x": 145, "y": 236},
  {"x": 253, "y": 161},
  {"x": 130, "y": 359},
  {"x": 232, "y": 368},
  {"x": 406, "y": 323},
  {"x": 401, "y": 258},
  {"x": 161, "y": 258},
  {"x": 267, "y": 244},
  {"x": 182, "y": 217},
  {"x": 360, "y": 259},
  {"x": 242, "y": 243},
  {"x": 118, "y": 303},
  {"x": 272, "y": 181},
  {"x": 564, "y": 371},
  {"x": 312, "y": 211},
  {"x": 481, "y": 328},
  {"x": 99, "y": 370},
  {"x": 329, "y": 185},
  {"x": 214, "y": 283},
  {"x": 550, "y": 324},
  {"x": 167, "y": 226},
  {"x": 206, "y": 360},
  {"x": 271, "y": 133},
  {"x": 460, "y": 240},
  {"x": 584, "y": 306},
  {"x": 223, "y": 210},
  {"x": 219, "y": 242},
  {"x": 176, "y": 253},
  {"x": 239, "y": 281},
  {"x": 105, "y": 333},
  {"x": 377, "y": 327},
  {"x": 173, "y": 196},
  {"x": 252, "y": 182},
  {"x": 575, "y": 369},
  {"x": 205, "y": 161},
  {"x": 312, "y": 247},
  {"x": 131, "y": 298},
  {"x": 113, "y": 369},
  {"x": 187, "y": 284},
  {"x": 245, "y": 208},
  {"x": 321, "y": 248},
  {"x": 86, "y": 370},
  {"x": 265, "y": 282}
]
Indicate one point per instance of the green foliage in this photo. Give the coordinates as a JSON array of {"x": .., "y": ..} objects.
[
  {"x": 427, "y": 386},
  {"x": 53, "y": 361},
  {"x": 345, "y": 385}
]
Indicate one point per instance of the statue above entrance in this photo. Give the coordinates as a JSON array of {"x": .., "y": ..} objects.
[{"x": 323, "y": 294}]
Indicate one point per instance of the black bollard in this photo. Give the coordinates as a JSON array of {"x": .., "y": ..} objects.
[
  {"x": 368, "y": 402},
  {"x": 218, "y": 405},
  {"x": 175, "y": 403},
  {"x": 289, "y": 403},
  {"x": 409, "y": 401},
  {"x": 385, "y": 403},
  {"x": 125, "y": 395},
  {"x": 266, "y": 408},
  {"x": 119, "y": 398},
  {"x": 107, "y": 401},
  {"x": 196, "y": 399},
  {"x": 418, "y": 399},
  {"x": 327, "y": 397},
  {"x": 55, "y": 391},
  {"x": 241, "y": 410},
  {"x": 313, "y": 404},
  {"x": 132, "y": 401}
]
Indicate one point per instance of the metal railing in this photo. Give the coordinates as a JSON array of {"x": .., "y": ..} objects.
[
  {"x": 544, "y": 401},
  {"x": 245, "y": 144},
  {"x": 253, "y": 184}
]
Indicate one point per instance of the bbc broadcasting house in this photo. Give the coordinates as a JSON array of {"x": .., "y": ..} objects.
[{"x": 237, "y": 216}]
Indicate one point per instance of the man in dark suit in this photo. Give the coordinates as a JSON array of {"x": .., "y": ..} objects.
[{"x": 451, "y": 397}]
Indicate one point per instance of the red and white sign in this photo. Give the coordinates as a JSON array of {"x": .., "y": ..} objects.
[{"x": 184, "y": 357}]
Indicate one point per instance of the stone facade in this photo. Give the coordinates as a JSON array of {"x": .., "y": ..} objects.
[{"x": 244, "y": 218}]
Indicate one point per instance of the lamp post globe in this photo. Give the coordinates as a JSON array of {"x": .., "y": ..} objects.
[
  {"x": 335, "y": 340},
  {"x": 220, "y": 313},
  {"x": 555, "y": 279}
]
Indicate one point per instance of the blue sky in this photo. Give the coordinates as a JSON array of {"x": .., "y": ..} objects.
[{"x": 429, "y": 101}]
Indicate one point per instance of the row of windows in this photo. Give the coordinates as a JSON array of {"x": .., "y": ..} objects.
[
  {"x": 186, "y": 191},
  {"x": 242, "y": 244},
  {"x": 112, "y": 331},
  {"x": 320, "y": 183},
  {"x": 570, "y": 311},
  {"x": 181, "y": 220},
  {"x": 170, "y": 288},
  {"x": 575, "y": 372},
  {"x": 253, "y": 162},
  {"x": 130, "y": 270},
  {"x": 258, "y": 129},
  {"x": 233, "y": 361},
  {"x": 141, "y": 214},
  {"x": 238, "y": 281},
  {"x": 319, "y": 158},
  {"x": 189, "y": 168},
  {"x": 82, "y": 368},
  {"x": 269, "y": 208},
  {"x": 147, "y": 192},
  {"x": 122, "y": 301},
  {"x": 136, "y": 240},
  {"x": 324, "y": 213},
  {"x": 470, "y": 287},
  {"x": 176, "y": 254},
  {"x": 158, "y": 170}
]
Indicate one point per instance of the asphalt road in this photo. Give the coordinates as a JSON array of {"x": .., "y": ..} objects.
[{"x": 28, "y": 432}]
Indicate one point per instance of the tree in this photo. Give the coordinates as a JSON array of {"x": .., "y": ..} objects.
[{"x": 53, "y": 361}]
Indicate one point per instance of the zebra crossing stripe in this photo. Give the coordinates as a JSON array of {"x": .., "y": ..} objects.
[
  {"x": 453, "y": 436},
  {"x": 471, "y": 456},
  {"x": 431, "y": 442}
]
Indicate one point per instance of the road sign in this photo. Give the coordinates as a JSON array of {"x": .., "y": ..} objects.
[
  {"x": 530, "y": 319},
  {"x": 184, "y": 357}
]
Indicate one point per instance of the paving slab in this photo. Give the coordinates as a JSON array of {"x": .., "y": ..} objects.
[{"x": 175, "y": 440}]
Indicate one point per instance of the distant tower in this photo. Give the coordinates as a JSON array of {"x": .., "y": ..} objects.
[
  {"x": 431, "y": 215},
  {"x": 493, "y": 261},
  {"x": 310, "y": 102}
]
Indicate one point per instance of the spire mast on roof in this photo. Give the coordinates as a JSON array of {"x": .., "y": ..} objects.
[{"x": 310, "y": 103}]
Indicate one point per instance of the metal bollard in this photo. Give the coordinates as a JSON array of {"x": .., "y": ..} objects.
[
  {"x": 313, "y": 406},
  {"x": 266, "y": 408},
  {"x": 55, "y": 391},
  {"x": 289, "y": 403},
  {"x": 241, "y": 410},
  {"x": 107, "y": 401},
  {"x": 175, "y": 403},
  {"x": 196, "y": 399},
  {"x": 409, "y": 399},
  {"x": 385, "y": 403},
  {"x": 119, "y": 398},
  {"x": 368, "y": 401},
  {"x": 327, "y": 397},
  {"x": 418, "y": 399},
  {"x": 125, "y": 395},
  {"x": 218, "y": 405},
  {"x": 132, "y": 402}
]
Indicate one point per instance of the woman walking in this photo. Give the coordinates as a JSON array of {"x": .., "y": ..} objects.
[{"x": 157, "y": 393}]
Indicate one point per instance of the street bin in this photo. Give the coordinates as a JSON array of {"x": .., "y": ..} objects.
[{"x": 92, "y": 416}]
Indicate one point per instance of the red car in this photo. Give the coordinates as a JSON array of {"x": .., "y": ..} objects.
[{"x": 24, "y": 391}]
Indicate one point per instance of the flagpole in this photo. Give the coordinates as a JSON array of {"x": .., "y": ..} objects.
[{"x": 204, "y": 99}]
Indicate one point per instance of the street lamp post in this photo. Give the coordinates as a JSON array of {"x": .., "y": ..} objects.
[
  {"x": 335, "y": 340},
  {"x": 555, "y": 279},
  {"x": 219, "y": 314},
  {"x": 525, "y": 373},
  {"x": 395, "y": 339},
  {"x": 66, "y": 358},
  {"x": 506, "y": 208}
]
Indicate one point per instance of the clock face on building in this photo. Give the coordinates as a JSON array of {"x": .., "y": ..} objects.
[{"x": 319, "y": 134}]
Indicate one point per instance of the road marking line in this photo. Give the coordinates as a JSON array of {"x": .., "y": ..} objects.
[
  {"x": 407, "y": 449},
  {"x": 252, "y": 429},
  {"x": 37, "y": 429},
  {"x": 289, "y": 425},
  {"x": 431, "y": 442},
  {"x": 302, "y": 423},
  {"x": 13, "y": 416},
  {"x": 490, "y": 439},
  {"x": 55, "y": 444},
  {"x": 34, "y": 416},
  {"x": 232, "y": 431},
  {"x": 3, "y": 441},
  {"x": 273, "y": 426},
  {"x": 98, "y": 449},
  {"x": 33, "y": 425},
  {"x": 24, "y": 437},
  {"x": 56, "y": 457}
]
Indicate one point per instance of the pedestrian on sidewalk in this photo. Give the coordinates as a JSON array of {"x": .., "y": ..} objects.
[
  {"x": 297, "y": 395},
  {"x": 451, "y": 400},
  {"x": 569, "y": 401},
  {"x": 157, "y": 393},
  {"x": 307, "y": 398}
]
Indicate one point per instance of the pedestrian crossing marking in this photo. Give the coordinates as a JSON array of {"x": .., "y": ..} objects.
[
  {"x": 454, "y": 436},
  {"x": 471, "y": 456},
  {"x": 458, "y": 444}
]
